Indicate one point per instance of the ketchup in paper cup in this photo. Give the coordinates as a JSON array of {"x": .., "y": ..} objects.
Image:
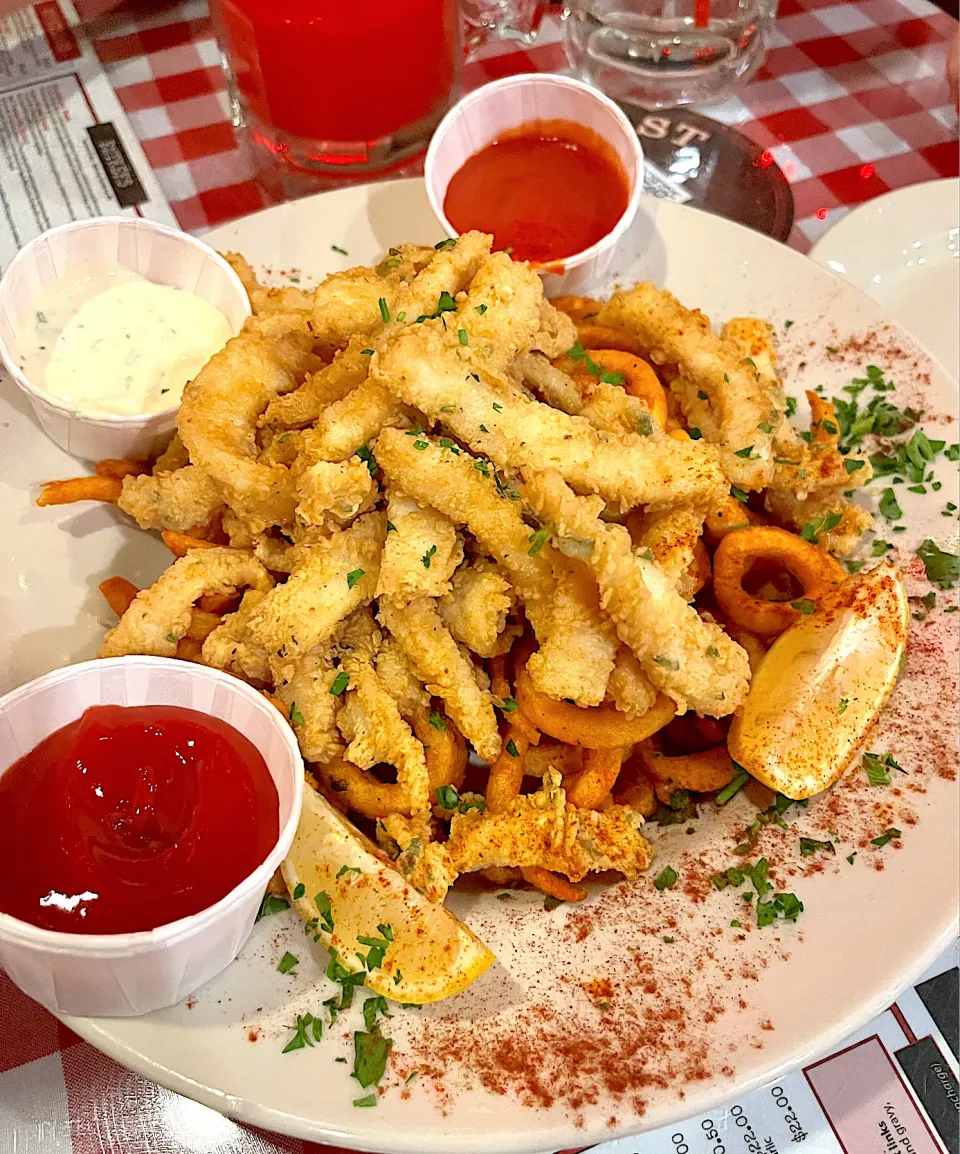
[
  {"x": 152, "y": 841},
  {"x": 549, "y": 165}
]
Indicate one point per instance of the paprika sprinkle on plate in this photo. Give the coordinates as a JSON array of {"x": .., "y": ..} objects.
[{"x": 547, "y": 190}]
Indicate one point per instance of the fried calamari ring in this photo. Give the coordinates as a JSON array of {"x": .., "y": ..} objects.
[
  {"x": 446, "y": 756},
  {"x": 160, "y": 616},
  {"x": 815, "y": 570},
  {"x": 605, "y": 337},
  {"x": 579, "y": 309},
  {"x": 698, "y": 772},
  {"x": 599, "y": 727}
]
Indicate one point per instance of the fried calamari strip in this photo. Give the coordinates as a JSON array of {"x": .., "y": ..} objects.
[
  {"x": 349, "y": 424},
  {"x": 324, "y": 387},
  {"x": 421, "y": 550},
  {"x": 427, "y": 368},
  {"x": 331, "y": 495},
  {"x": 720, "y": 389},
  {"x": 688, "y": 659},
  {"x": 672, "y": 536},
  {"x": 320, "y": 591},
  {"x": 795, "y": 512},
  {"x": 475, "y": 610},
  {"x": 230, "y": 647},
  {"x": 438, "y": 662},
  {"x": 159, "y": 616},
  {"x": 468, "y": 492},
  {"x": 177, "y": 500},
  {"x": 222, "y": 405}
]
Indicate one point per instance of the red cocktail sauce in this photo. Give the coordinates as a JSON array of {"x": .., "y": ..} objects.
[
  {"x": 132, "y": 817},
  {"x": 546, "y": 190}
]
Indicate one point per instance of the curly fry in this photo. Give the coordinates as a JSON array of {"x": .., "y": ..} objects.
[
  {"x": 578, "y": 309},
  {"x": 601, "y": 768},
  {"x": 189, "y": 649},
  {"x": 506, "y": 773},
  {"x": 724, "y": 518},
  {"x": 180, "y": 544},
  {"x": 700, "y": 772},
  {"x": 816, "y": 571},
  {"x": 598, "y": 727},
  {"x": 80, "y": 489},
  {"x": 120, "y": 467},
  {"x": 202, "y": 624},
  {"x": 639, "y": 379},
  {"x": 639, "y": 794},
  {"x": 602, "y": 337},
  {"x": 119, "y": 593},
  {"x": 553, "y": 885},
  {"x": 219, "y": 602},
  {"x": 363, "y": 792},
  {"x": 500, "y": 687}
]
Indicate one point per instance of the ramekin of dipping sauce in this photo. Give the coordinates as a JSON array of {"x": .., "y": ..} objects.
[
  {"x": 125, "y": 833},
  {"x": 103, "y": 321},
  {"x": 549, "y": 165}
]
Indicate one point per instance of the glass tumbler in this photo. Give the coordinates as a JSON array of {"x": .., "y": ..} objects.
[
  {"x": 326, "y": 88},
  {"x": 664, "y": 53}
]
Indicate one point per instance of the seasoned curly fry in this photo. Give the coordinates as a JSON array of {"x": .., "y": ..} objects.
[
  {"x": 699, "y": 772},
  {"x": 816, "y": 571},
  {"x": 80, "y": 489},
  {"x": 120, "y": 467},
  {"x": 180, "y": 544},
  {"x": 601, "y": 768}
]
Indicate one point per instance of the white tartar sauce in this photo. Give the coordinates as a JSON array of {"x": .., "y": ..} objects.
[{"x": 109, "y": 341}]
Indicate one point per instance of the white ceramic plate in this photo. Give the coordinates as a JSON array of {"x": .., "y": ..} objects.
[
  {"x": 638, "y": 1008},
  {"x": 903, "y": 249}
]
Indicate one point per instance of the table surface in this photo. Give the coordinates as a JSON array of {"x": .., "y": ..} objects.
[{"x": 851, "y": 103}]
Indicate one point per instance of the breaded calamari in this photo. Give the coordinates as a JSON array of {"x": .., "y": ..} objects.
[
  {"x": 421, "y": 551},
  {"x": 475, "y": 610},
  {"x": 180, "y": 500},
  {"x": 331, "y": 495},
  {"x": 690, "y": 660},
  {"x": 159, "y": 616}
]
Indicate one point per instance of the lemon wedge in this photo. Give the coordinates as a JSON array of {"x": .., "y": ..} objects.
[
  {"x": 426, "y": 953},
  {"x": 821, "y": 686}
]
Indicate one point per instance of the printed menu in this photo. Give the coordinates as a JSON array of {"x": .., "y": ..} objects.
[
  {"x": 893, "y": 1087},
  {"x": 67, "y": 149}
]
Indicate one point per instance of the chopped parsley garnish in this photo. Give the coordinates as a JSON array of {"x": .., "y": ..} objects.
[
  {"x": 740, "y": 495},
  {"x": 307, "y": 1031},
  {"x": 463, "y": 337},
  {"x": 428, "y": 556},
  {"x": 537, "y": 541},
  {"x": 384, "y": 311},
  {"x": 365, "y": 1101},
  {"x": 345, "y": 869},
  {"x": 666, "y": 878},
  {"x": 551, "y": 903},
  {"x": 341, "y": 251},
  {"x": 367, "y": 457},
  {"x": 287, "y": 963},
  {"x": 370, "y": 1052},
  {"x": 878, "y": 765},
  {"x": 437, "y": 721},
  {"x": 497, "y": 407},
  {"x": 340, "y": 683},
  {"x": 734, "y": 787},
  {"x": 512, "y": 748},
  {"x": 391, "y": 528},
  {"x": 844, "y": 705},
  {"x": 296, "y": 717},
  {"x": 786, "y": 906},
  {"x": 702, "y": 395},
  {"x": 447, "y": 797},
  {"x": 450, "y": 242},
  {"x": 509, "y": 705},
  {"x": 271, "y": 904},
  {"x": 670, "y": 663},
  {"x": 612, "y": 378},
  {"x": 788, "y": 325},
  {"x": 694, "y": 434},
  {"x": 401, "y": 316},
  {"x": 299, "y": 890},
  {"x": 887, "y": 835},
  {"x": 744, "y": 452},
  {"x": 354, "y": 577},
  {"x": 791, "y": 408},
  {"x": 322, "y": 902},
  {"x": 878, "y": 548},
  {"x": 712, "y": 651},
  {"x": 173, "y": 638},
  {"x": 347, "y": 981},
  {"x": 889, "y": 506},
  {"x": 853, "y": 466},
  {"x": 484, "y": 429},
  {"x": 942, "y": 568},
  {"x": 374, "y": 1008},
  {"x": 809, "y": 846},
  {"x": 420, "y": 445},
  {"x": 481, "y": 309},
  {"x": 765, "y": 427},
  {"x": 851, "y": 856},
  {"x": 812, "y": 529},
  {"x": 804, "y": 606}
]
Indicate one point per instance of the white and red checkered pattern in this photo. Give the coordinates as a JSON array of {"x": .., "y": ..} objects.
[{"x": 852, "y": 102}]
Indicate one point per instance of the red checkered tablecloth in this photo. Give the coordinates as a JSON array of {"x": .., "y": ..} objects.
[{"x": 852, "y": 102}]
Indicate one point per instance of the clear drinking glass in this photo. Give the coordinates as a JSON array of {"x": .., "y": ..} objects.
[
  {"x": 326, "y": 88},
  {"x": 663, "y": 53}
]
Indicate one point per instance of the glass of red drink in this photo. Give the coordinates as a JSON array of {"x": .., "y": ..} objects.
[{"x": 322, "y": 88}]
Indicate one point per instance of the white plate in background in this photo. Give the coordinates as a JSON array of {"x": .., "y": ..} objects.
[{"x": 903, "y": 249}]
